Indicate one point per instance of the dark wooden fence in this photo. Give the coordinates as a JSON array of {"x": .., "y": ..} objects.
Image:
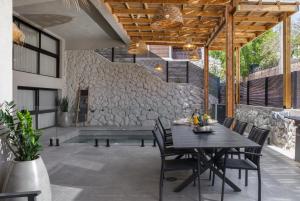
[{"x": 266, "y": 91}]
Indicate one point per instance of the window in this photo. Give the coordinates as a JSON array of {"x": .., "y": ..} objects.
[
  {"x": 41, "y": 103},
  {"x": 39, "y": 54}
]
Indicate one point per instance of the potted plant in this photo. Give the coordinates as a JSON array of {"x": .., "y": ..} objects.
[
  {"x": 27, "y": 172},
  {"x": 63, "y": 118}
]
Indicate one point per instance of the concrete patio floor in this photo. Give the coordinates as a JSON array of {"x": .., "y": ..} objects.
[{"x": 81, "y": 172}]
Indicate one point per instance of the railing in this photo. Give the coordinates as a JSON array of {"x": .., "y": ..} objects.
[{"x": 30, "y": 195}]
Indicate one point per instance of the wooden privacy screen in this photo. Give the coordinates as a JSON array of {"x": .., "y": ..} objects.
[
  {"x": 257, "y": 92},
  {"x": 275, "y": 91}
]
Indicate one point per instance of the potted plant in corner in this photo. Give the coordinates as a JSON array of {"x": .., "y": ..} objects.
[
  {"x": 27, "y": 172},
  {"x": 63, "y": 118}
]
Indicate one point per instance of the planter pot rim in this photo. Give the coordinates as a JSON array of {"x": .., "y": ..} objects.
[{"x": 15, "y": 161}]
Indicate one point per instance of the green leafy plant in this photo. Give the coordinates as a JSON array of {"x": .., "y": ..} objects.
[
  {"x": 21, "y": 138},
  {"x": 63, "y": 104}
]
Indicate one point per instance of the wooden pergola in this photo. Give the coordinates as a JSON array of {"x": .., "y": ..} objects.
[{"x": 215, "y": 25}]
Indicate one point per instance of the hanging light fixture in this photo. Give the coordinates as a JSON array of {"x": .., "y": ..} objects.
[
  {"x": 158, "y": 68},
  {"x": 189, "y": 46},
  {"x": 139, "y": 47},
  {"x": 167, "y": 17},
  {"x": 18, "y": 35},
  {"x": 194, "y": 55}
]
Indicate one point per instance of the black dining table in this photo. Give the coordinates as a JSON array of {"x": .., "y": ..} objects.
[{"x": 219, "y": 141}]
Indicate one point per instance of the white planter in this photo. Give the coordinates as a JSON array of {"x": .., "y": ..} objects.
[
  {"x": 64, "y": 119},
  {"x": 28, "y": 176}
]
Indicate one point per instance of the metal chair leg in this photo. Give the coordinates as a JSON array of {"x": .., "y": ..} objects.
[
  {"x": 198, "y": 176},
  {"x": 194, "y": 173},
  {"x": 246, "y": 177},
  {"x": 161, "y": 183},
  {"x": 259, "y": 184},
  {"x": 223, "y": 179},
  {"x": 240, "y": 171}
]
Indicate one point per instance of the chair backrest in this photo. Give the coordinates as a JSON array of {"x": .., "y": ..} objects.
[
  {"x": 240, "y": 127},
  {"x": 228, "y": 122},
  {"x": 159, "y": 138},
  {"x": 258, "y": 135},
  {"x": 161, "y": 125}
]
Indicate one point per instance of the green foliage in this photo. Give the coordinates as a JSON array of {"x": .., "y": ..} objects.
[
  {"x": 64, "y": 104},
  {"x": 262, "y": 52},
  {"x": 296, "y": 39},
  {"x": 21, "y": 138}
]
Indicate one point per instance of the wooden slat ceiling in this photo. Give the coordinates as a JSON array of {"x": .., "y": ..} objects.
[{"x": 204, "y": 21}]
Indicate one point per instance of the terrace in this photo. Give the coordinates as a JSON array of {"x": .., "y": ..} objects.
[{"x": 120, "y": 90}]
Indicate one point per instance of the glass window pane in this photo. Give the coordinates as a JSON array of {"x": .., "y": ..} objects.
[
  {"x": 31, "y": 35},
  {"x": 47, "y": 99},
  {"x": 25, "y": 59},
  {"x": 48, "y": 44},
  {"x": 46, "y": 120},
  {"x": 47, "y": 65},
  {"x": 33, "y": 121},
  {"x": 25, "y": 99}
]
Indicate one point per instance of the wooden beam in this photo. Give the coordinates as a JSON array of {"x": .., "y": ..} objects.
[
  {"x": 229, "y": 62},
  {"x": 256, "y": 19},
  {"x": 237, "y": 75},
  {"x": 199, "y": 2},
  {"x": 251, "y": 28},
  {"x": 172, "y": 43},
  {"x": 187, "y": 12},
  {"x": 267, "y": 8},
  {"x": 287, "y": 80},
  {"x": 149, "y": 28},
  {"x": 168, "y": 34},
  {"x": 215, "y": 33},
  {"x": 206, "y": 79}
]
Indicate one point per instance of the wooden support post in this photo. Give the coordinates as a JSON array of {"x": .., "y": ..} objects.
[
  {"x": 206, "y": 79},
  {"x": 287, "y": 81},
  {"x": 229, "y": 62},
  {"x": 237, "y": 75}
]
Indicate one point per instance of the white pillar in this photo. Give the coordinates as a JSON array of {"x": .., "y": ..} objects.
[{"x": 6, "y": 84}]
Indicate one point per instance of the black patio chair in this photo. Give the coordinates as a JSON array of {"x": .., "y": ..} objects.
[
  {"x": 168, "y": 142},
  {"x": 173, "y": 164},
  {"x": 239, "y": 127},
  {"x": 228, "y": 122},
  {"x": 167, "y": 133},
  {"x": 251, "y": 161}
]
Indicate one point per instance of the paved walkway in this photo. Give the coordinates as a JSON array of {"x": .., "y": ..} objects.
[{"x": 81, "y": 172}]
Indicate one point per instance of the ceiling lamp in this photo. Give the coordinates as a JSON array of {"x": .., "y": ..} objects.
[
  {"x": 194, "y": 55},
  {"x": 137, "y": 48},
  {"x": 18, "y": 35},
  {"x": 167, "y": 17},
  {"x": 158, "y": 68},
  {"x": 189, "y": 46}
]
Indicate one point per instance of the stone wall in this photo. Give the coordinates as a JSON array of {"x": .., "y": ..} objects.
[
  {"x": 283, "y": 131},
  {"x": 122, "y": 94}
]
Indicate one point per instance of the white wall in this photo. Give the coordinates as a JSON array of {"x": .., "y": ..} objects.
[
  {"x": 5, "y": 50},
  {"x": 5, "y": 70}
]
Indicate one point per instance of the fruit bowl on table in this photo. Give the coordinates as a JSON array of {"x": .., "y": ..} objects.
[{"x": 202, "y": 129}]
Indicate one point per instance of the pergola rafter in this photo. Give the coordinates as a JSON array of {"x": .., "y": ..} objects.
[{"x": 213, "y": 24}]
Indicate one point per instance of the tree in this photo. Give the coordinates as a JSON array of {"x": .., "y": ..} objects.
[{"x": 262, "y": 52}]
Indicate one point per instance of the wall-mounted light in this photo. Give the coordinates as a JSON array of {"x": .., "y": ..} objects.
[
  {"x": 158, "y": 68},
  {"x": 18, "y": 35}
]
